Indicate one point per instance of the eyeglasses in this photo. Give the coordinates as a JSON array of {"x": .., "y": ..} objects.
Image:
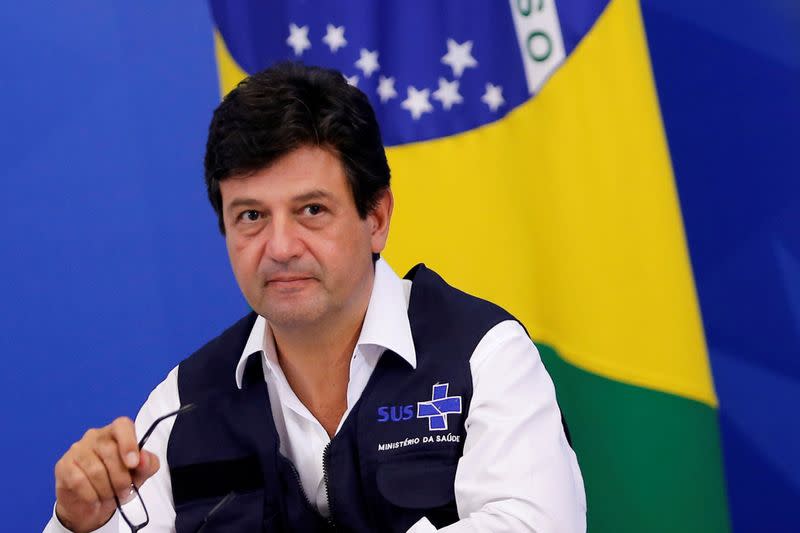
[{"x": 139, "y": 517}]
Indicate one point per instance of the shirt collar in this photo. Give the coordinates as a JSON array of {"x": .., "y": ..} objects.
[{"x": 385, "y": 325}]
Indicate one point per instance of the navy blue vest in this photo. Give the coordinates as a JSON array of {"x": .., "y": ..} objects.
[{"x": 392, "y": 462}]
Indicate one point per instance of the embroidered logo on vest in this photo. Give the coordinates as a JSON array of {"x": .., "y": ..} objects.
[{"x": 437, "y": 409}]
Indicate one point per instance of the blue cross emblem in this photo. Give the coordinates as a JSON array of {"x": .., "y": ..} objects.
[{"x": 439, "y": 407}]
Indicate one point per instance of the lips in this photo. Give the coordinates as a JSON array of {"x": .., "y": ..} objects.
[{"x": 288, "y": 281}]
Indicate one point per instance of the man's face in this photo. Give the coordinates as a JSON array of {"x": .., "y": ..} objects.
[{"x": 301, "y": 254}]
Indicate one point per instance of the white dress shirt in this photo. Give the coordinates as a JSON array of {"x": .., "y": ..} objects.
[{"x": 517, "y": 473}]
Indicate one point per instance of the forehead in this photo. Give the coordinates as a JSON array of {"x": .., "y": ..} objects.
[{"x": 301, "y": 171}]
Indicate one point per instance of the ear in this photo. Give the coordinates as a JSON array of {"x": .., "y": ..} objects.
[{"x": 378, "y": 220}]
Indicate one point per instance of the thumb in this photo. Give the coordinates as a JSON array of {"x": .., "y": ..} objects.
[{"x": 148, "y": 465}]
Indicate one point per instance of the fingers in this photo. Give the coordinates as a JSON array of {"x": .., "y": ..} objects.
[
  {"x": 71, "y": 478},
  {"x": 117, "y": 476},
  {"x": 104, "y": 463},
  {"x": 148, "y": 465},
  {"x": 124, "y": 433},
  {"x": 92, "y": 471},
  {"x": 84, "y": 493},
  {"x": 124, "y": 461},
  {"x": 92, "y": 468}
]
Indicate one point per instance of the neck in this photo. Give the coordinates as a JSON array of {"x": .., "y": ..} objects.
[{"x": 315, "y": 349}]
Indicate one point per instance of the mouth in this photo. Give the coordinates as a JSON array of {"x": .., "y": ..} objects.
[{"x": 288, "y": 282}]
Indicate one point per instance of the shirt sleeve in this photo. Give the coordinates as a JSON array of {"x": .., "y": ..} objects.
[
  {"x": 518, "y": 472},
  {"x": 156, "y": 492},
  {"x": 55, "y": 525}
]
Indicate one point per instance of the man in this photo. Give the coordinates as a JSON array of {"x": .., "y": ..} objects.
[{"x": 350, "y": 399}]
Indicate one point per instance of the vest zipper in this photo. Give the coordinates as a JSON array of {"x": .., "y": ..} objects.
[
  {"x": 302, "y": 490},
  {"x": 325, "y": 460},
  {"x": 310, "y": 505}
]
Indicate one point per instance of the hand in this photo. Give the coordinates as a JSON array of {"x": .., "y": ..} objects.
[{"x": 104, "y": 462}]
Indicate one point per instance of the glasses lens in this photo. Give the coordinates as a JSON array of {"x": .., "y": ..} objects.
[{"x": 133, "y": 511}]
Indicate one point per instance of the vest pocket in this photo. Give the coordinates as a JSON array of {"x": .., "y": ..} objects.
[
  {"x": 244, "y": 512},
  {"x": 215, "y": 479},
  {"x": 227, "y": 495},
  {"x": 417, "y": 483}
]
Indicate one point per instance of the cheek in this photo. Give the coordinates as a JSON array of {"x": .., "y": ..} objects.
[
  {"x": 346, "y": 243},
  {"x": 244, "y": 256}
]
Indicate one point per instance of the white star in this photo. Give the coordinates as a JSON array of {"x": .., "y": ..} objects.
[
  {"x": 493, "y": 97},
  {"x": 447, "y": 93},
  {"x": 459, "y": 57},
  {"x": 386, "y": 89},
  {"x": 298, "y": 39},
  {"x": 417, "y": 102},
  {"x": 334, "y": 37},
  {"x": 368, "y": 62},
  {"x": 352, "y": 80}
]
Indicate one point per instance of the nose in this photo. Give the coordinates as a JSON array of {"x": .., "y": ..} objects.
[{"x": 283, "y": 243}]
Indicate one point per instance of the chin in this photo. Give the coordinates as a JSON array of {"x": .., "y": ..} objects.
[{"x": 291, "y": 316}]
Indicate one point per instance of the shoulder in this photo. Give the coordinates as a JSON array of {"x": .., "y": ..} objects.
[
  {"x": 162, "y": 399},
  {"x": 508, "y": 346},
  {"x": 433, "y": 299}
]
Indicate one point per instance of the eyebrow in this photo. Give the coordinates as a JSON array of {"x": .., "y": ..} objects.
[
  {"x": 242, "y": 202},
  {"x": 316, "y": 194}
]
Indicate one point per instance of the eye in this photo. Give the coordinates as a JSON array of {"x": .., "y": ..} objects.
[
  {"x": 313, "y": 209},
  {"x": 251, "y": 215}
]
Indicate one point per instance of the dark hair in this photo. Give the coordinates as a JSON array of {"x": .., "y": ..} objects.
[{"x": 285, "y": 107}]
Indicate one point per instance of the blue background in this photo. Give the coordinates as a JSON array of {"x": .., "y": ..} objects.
[
  {"x": 113, "y": 270},
  {"x": 112, "y": 265},
  {"x": 728, "y": 80}
]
